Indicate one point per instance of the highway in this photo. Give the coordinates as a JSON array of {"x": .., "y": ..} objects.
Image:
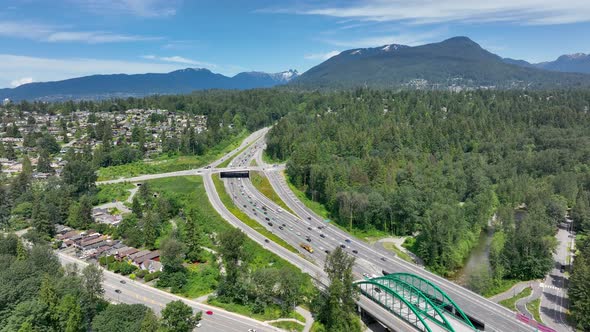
[
  {"x": 132, "y": 292},
  {"x": 296, "y": 231},
  {"x": 370, "y": 260}
]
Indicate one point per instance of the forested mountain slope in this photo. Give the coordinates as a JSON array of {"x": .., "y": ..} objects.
[{"x": 457, "y": 62}]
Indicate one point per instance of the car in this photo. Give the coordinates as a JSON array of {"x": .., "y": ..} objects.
[
  {"x": 366, "y": 275},
  {"x": 309, "y": 228},
  {"x": 279, "y": 210},
  {"x": 342, "y": 246},
  {"x": 284, "y": 225},
  {"x": 267, "y": 219},
  {"x": 308, "y": 239},
  {"x": 198, "y": 325},
  {"x": 383, "y": 259},
  {"x": 251, "y": 330},
  {"x": 266, "y": 240},
  {"x": 327, "y": 252},
  {"x": 298, "y": 234},
  {"x": 562, "y": 269},
  {"x": 347, "y": 240},
  {"x": 244, "y": 205},
  {"x": 308, "y": 218},
  {"x": 322, "y": 235},
  {"x": 270, "y": 224},
  {"x": 118, "y": 291},
  {"x": 254, "y": 210},
  {"x": 265, "y": 212},
  {"x": 281, "y": 227},
  {"x": 377, "y": 290},
  {"x": 123, "y": 281},
  {"x": 291, "y": 228},
  {"x": 354, "y": 251},
  {"x": 209, "y": 312}
]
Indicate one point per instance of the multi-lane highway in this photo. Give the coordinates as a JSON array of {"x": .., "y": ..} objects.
[
  {"x": 322, "y": 236},
  {"x": 119, "y": 289},
  {"x": 306, "y": 227}
]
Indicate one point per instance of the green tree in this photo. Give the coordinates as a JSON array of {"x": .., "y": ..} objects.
[
  {"x": 193, "y": 239},
  {"x": 121, "y": 318},
  {"x": 44, "y": 162},
  {"x": 150, "y": 322},
  {"x": 579, "y": 287},
  {"x": 178, "y": 317},
  {"x": 80, "y": 175},
  {"x": 335, "y": 306}
]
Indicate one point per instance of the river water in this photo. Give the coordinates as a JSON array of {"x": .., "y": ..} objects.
[{"x": 478, "y": 259}]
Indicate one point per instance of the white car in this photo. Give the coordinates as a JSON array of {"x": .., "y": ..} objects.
[{"x": 198, "y": 325}]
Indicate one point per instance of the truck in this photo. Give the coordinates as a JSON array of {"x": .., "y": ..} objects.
[{"x": 306, "y": 247}]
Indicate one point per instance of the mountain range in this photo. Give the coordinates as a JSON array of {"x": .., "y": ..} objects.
[
  {"x": 454, "y": 63},
  {"x": 137, "y": 85},
  {"x": 570, "y": 63}
]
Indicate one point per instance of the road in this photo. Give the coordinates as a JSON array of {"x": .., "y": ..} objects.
[
  {"x": 296, "y": 230},
  {"x": 554, "y": 301},
  {"x": 370, "y": 260},
  {"x": 132, "y": 292}
]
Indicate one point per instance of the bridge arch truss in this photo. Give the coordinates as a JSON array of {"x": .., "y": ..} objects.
[{"x": 415, "y": 300}]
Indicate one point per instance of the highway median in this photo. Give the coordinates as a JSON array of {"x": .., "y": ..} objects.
[{"x": 229, "y": 204}]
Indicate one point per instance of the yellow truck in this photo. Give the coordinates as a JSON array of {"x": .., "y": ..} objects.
[{"x": 306, "y": 247}]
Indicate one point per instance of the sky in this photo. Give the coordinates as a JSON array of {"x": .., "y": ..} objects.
[{"x": 44, "y": 40}]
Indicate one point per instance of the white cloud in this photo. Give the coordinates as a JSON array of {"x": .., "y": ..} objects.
[
  {"x": 543, "y": 12},
  {"x": 178, "y": 59},
  {"x": 21, "y": 81},
  {"x": 14, "y": 67},
  {"x": 48, "y": 33},
  {"x": 321, "y": 56},
  {"x": 142, "y": 8}
]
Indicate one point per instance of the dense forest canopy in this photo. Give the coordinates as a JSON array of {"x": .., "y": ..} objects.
[{"x": 439, "y": 165}]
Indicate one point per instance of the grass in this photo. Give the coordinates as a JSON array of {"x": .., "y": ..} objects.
[
  {"x": 165, "y": 163},
  {"x": 288, "y": 326},
  {"x": 398, "y": 252},
  {"x": 116, "y": 191},
  {"x": 226, "y": 162},
  {"x": 202, "y": 279},
  {"x": 253, "y": 162},
  {"x": 500, "y": 286},
  {"x": 533, "y": 308},
  {"x": 316, "y": 207},
  {"x": 188, "y": 193},
  {"x": 317, "y": 327},
  {"x": 260, "y": 181},
  {"x": 229, "y": 204},
  {"x": 511, "y": 302},
  {"x": 271, "y": 312}
]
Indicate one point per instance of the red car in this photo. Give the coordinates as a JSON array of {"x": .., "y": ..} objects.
[{"x": 209, "y": 312}]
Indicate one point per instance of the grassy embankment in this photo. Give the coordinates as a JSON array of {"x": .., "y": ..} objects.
[
  {"x": 226, "y": 162},
  {"x": 116, "y": 191},
  {"x": 229, "y": 204},
  {"x": 533, "y": 307},
  {"x": 511, "y": 302},
  {"x": 288, "y": 326},
  {"x": 164, "y": 163},
  {"x": 261, "y": 182},
  {"x": 188, "y": 193}
]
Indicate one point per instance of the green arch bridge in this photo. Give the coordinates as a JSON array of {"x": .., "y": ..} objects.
[{"x": 417, "y": 301}]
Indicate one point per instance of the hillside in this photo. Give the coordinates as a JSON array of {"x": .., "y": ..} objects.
[
  {"x": 122, "y": 85},
  {"x": 455, "y": 62}
]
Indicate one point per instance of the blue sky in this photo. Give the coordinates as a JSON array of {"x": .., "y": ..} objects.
[{"x": 50, "y": 40}]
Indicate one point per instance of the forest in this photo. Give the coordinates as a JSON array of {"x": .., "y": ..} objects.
[
  {"x": 439, "y": 166},
  {"x": 435, "y": 166}
]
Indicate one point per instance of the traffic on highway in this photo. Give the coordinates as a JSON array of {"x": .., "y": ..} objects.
[{"x": 315, "y": 238}]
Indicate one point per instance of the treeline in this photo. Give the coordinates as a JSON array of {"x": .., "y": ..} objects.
[
  {"x": 579, "y": 285},
  {"x": 438, "y": 165},
  {"x": 38, "y": 294}
]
